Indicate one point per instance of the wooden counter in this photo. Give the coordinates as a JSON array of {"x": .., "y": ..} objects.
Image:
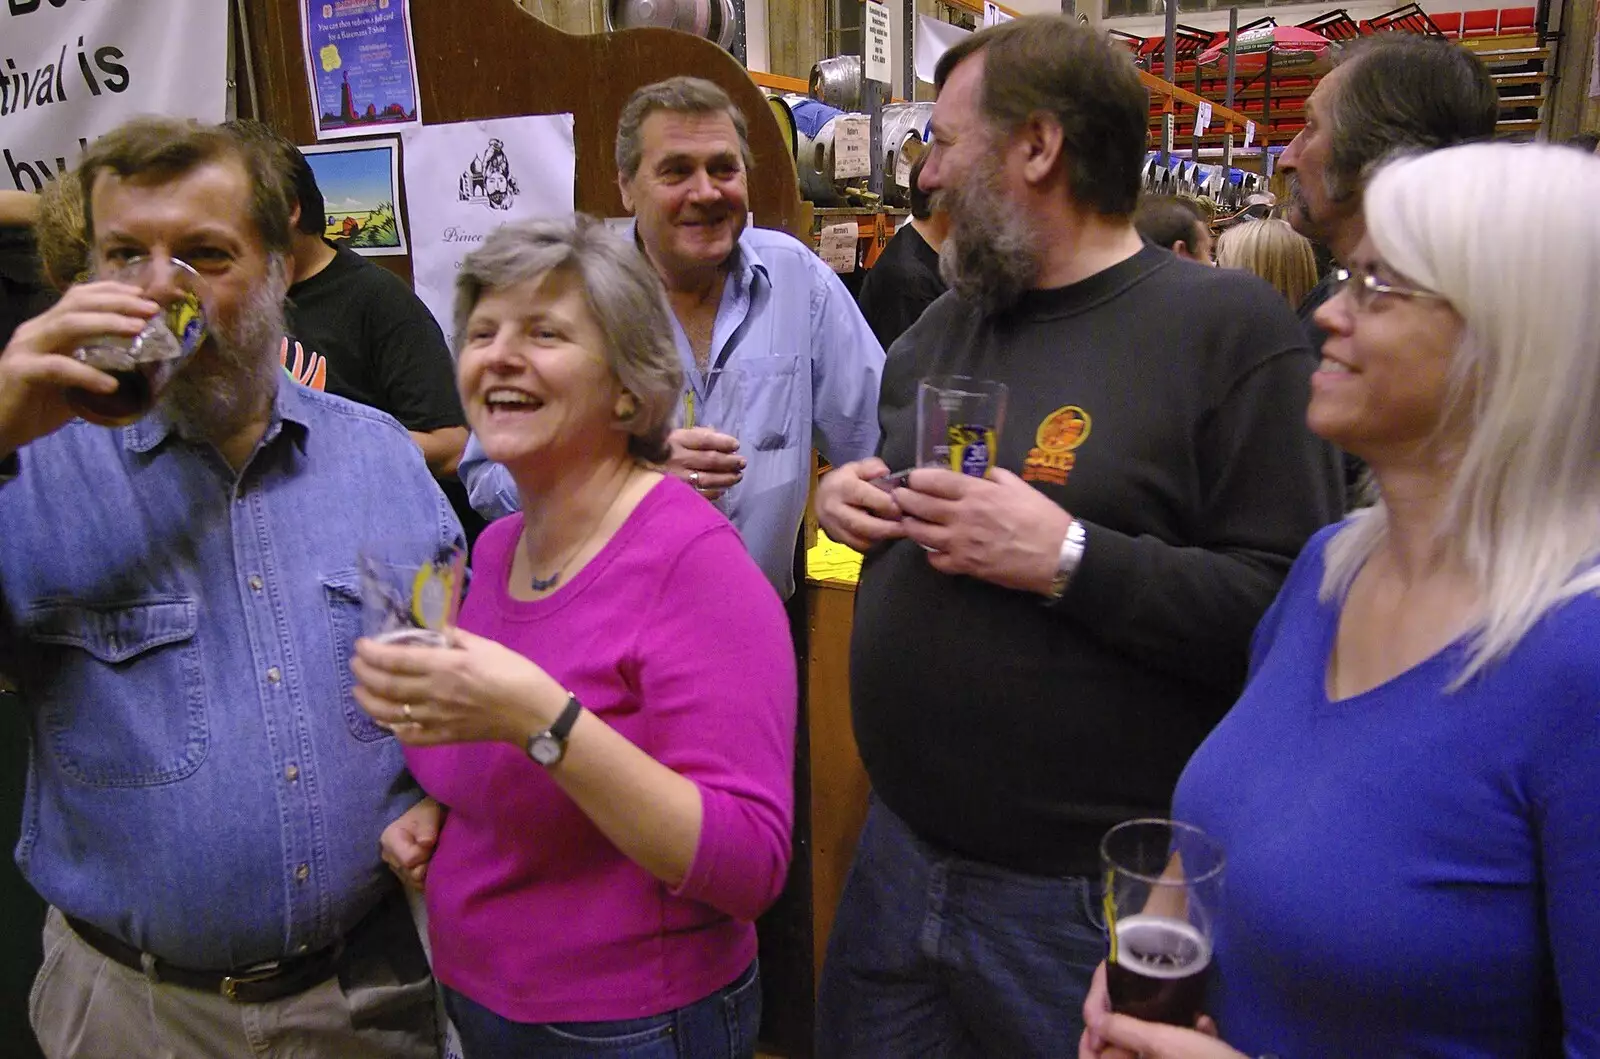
[{"x": 830, "y": 807}]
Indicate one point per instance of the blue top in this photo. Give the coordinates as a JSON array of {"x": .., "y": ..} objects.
[
  {"x": 202, "y": 784},
  {"x": 811, "y": 367},
  {"x": 1407, "y": 867}
]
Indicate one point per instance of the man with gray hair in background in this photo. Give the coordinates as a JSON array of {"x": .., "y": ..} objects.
[
  {"x": 755, "y": 304},
  {"x": 1388, "y": 93}
]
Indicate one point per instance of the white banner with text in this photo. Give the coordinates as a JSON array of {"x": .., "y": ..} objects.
[{"x": 73, "y": 69}]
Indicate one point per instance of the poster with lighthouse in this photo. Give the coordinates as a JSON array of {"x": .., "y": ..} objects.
[{"x": 361, "y": 66}]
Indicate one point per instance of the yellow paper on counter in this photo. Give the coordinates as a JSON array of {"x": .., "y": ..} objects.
[{"x": 828, "y": 560}]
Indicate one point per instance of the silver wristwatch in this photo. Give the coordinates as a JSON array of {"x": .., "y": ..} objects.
[{"x": 1067, "y": 563}]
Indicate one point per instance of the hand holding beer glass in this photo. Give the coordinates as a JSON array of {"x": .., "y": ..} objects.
[
  {"x": 411, "y": 604},
  {"x": 145, "y": 364},
  {"x": 1163, "y": 888},
  {"x": 959, "y": 419}
]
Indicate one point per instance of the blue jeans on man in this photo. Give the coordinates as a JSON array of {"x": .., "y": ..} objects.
[{"x": 934, "y": 956}]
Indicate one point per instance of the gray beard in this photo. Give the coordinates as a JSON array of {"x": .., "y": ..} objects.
[
  {"x": 992, "y": 254},
  {"x": 234, "y": 376}
]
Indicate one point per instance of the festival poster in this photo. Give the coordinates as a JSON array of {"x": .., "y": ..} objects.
[
  {"x": 70, "y": 72},
  {"x": 465, "y": 179},
  {"x": 360, "y": 185},
  {"x": 361, "y": 66}
]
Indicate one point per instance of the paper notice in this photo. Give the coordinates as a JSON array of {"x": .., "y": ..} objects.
[
  {"x": 852, "y": 146},
  {"x": 879, "y": 63},
  {"x": 838, "y": 248}
]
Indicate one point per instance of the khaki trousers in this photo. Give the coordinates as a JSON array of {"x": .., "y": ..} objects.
[{"x": 86, "y": 1006}]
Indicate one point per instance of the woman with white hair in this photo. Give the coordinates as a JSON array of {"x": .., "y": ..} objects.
[
  {"x": 1408, "y": 790},
  {"x": 610, "y": 733}
]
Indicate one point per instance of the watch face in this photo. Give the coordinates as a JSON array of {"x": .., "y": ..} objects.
[{"x": 544, "y": 749}]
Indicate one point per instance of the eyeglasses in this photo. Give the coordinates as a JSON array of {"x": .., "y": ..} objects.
[{"x": 1364, "y": 286}]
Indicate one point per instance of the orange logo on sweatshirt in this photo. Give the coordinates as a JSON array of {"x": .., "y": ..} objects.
[{"x": 1052, "y": 457}]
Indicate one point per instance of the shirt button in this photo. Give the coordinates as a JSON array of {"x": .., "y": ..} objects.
[
  {"x": 255, "y": 582},
  {"x": 273, "y": 676},
  {"x": 292, "y": 773},
  {"x": 302, "y": 873}
]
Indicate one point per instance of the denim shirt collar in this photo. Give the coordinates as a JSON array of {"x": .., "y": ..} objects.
[{"x": 288, "y": 408}]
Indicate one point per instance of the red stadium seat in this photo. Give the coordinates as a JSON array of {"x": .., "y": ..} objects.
[
  {"x": 1482, "y": 23},
  {"x": 1449, "y": 22},
  {"x": 1516, "y": 20}
]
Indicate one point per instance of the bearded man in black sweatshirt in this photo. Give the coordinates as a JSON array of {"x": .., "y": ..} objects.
[{"x": 1037, "y": 652}]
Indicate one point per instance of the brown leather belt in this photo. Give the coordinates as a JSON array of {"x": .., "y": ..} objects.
[{"x": 257, "y": 984}]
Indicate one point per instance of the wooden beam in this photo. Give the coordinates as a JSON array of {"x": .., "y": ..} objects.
[
  {"x": 1232, "y": 119},
  {"x": 780, "y": 83}
]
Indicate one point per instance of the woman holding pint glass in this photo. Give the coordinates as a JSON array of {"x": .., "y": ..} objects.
[
  {"x": 609, "y": 732},
  {"x": 1408, "y": 791}
]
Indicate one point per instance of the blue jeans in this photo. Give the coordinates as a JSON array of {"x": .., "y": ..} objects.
[
  {"x": 936, "y": 957},
  {"x": 722, "y": 1026}
]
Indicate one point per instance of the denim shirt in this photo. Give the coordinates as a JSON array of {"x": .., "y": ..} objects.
[
  {"x": 201, "y": 783},
  {"x": 811, "y": 370}
]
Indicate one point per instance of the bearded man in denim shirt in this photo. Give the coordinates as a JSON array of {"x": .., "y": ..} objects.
[
  {"x": 178, "y": 607},
  {"x": 748, "y": 299}
]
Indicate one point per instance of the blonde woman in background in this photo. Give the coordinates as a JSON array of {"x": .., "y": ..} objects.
[{"x": 1275, "y": 252}]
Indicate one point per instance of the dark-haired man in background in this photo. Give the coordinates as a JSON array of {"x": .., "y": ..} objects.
[
  {"x": 362, "y": 333},
  {"x": 1175, "y": 223},
  {"x": 905, "y": 279},
  {"x": 1036, "y": 653},
  {"x": 1389, "y": 93}
]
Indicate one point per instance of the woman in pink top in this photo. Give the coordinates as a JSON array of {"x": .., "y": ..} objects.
[{"x": 610, "y": 736}]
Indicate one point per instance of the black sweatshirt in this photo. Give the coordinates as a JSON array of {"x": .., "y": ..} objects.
[
  {"x": 1163, "y": 403},
  {"x": 901, "y": 286}
]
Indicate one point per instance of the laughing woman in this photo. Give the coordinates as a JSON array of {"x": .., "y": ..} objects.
[
  {"x": 610, "y": 736},
  {"x": 1409, "y": 789}
]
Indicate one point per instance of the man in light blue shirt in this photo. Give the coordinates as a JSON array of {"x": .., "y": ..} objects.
[
  {"x": 748, "y": 299},
  {"x": 178, "y": 606}
]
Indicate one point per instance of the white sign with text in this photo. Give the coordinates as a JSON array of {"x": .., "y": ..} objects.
[
  {"x": 838, "y": 246},
  {"x": 880, "y": 60},
  {"x": 69, "y": 73},
  {"x": 467, "y": 178},
  {"x": 852, "y": 146}
]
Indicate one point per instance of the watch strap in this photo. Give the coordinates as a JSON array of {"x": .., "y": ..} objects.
[
  {"x": 568, "y": 717},
  {"x": 1072, "y": 546}
]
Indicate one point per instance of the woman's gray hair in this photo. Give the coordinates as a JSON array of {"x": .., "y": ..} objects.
[
  {"x": 1521, "y": 270},
  {"x": 623, "y": 294}
]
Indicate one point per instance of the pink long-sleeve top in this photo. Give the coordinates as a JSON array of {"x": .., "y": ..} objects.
[{"x": 673, "y": 637}]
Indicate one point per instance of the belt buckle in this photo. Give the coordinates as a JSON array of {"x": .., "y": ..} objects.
[{"x": 232, "y": 982}]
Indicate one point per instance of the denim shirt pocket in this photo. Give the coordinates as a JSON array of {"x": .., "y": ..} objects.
[
  {"x": 772, "y": 398},
  {"x": 343, "y": 592},
  {"x": 122, "y": 701}
]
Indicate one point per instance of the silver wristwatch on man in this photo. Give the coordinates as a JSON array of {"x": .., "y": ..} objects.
[{"x": 1067, "y": 562}]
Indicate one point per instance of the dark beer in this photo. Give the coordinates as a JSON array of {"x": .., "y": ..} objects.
[
  {"x": 1159, "y": 970},
  {"x": 138, "y": 387}
]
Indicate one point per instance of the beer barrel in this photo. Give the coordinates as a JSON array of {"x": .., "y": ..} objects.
[
  {"x": 813, "y": 158},
  {"x": 712, "y": 19},
  {"x": 837, "y": 82},
  {"x": 785, "y": 115},
  {"x": 905, "y": 127}
]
